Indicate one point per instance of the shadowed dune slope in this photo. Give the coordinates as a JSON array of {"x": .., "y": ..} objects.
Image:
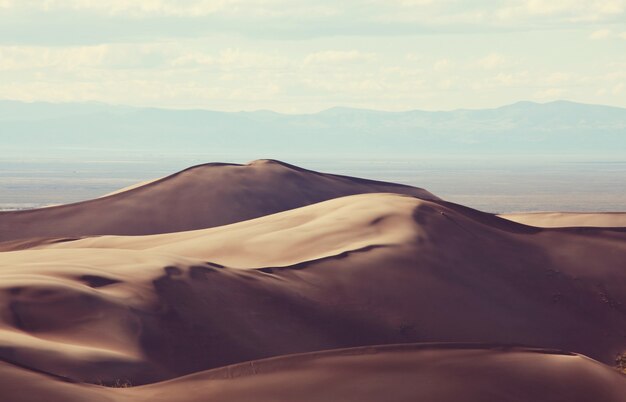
[
  {"x": 360, "y": 270},
  {"x": 199, "y": 197},
  {"x": 434, "y": 373}
]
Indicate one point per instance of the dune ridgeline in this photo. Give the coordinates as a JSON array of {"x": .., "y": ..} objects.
[{"x": 268, "y": 282}]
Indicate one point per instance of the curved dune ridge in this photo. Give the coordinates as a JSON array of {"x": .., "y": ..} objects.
[
  {"x": 352, "y": 271},
  {"x": 437, "y": 373},
  {"x": 375, "y": 268},
  {"x": 569, "y": 219},
  {"x": 203, "y": 196},
  {"x": 317, "y": 231}
]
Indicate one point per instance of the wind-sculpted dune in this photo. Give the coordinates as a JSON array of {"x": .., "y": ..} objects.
[
  {"x": 399, "y": 373},
  {"x": 200, "y": 197},
  {"x": 256, "y": 310}
]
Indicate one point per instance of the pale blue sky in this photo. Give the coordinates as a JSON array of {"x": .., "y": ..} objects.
[{"x": 305, "y": 56}]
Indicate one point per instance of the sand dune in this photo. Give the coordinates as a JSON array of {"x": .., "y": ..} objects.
[
  {"x": 360, "y": 270},
  {"x": 321, "y": 230},
  {"x": 351, "y": 271},
  {"x": 569, "y": 219},
  {"x": 434, "y": 373},
  {"x": 200, "y": 197}
]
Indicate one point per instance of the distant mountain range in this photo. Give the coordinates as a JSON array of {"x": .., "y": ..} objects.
[{"x": 560, "y": 128}]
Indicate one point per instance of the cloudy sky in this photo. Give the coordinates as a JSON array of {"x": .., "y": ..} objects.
[{"x": 307, "y": 55}]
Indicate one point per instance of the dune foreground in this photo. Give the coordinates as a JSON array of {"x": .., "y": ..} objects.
[
  {"x": 434, "y": 373},
  {"x": 247, "y": 282}
]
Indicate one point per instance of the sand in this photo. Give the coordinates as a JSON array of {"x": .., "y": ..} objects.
[
  {"x": 171, "y": 313},
  {"x": 434, "y": 373},
  {"x": 203, "y": 196},
  {"x": 569, "y": 219}
]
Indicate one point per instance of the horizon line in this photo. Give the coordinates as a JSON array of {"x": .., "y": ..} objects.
[{"x": 329, "y": 109}]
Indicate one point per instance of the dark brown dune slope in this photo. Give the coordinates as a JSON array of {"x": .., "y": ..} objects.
[
  {"x": 199, "y": 197},
  {"x": 408, "y": 270}
]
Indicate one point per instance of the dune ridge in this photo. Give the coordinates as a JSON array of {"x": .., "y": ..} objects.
[
  {"x": 569, "y": 219},
  {"x": 404, "y": 276},
  {"x": 438, "y": 373},
  {"x": 177, "y": 314},
  {"x": 202, "y": 196}
]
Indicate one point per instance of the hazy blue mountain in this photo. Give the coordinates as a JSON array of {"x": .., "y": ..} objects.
[{"x": 524, "y": 128}]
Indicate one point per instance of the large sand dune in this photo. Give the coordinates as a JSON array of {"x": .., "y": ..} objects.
[
  {"x": 359, "y": 270},
  {"x": 404, "y": 373},
  {"x": 368, "y": 269},
  {"x": 200, "y": 197}
]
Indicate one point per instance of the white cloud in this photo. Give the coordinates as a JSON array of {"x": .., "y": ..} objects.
[
  {"x": 600, "y": 34},
  {"x": 406, "y": 3},
  {"x": 154, "y": 7},
  {"x": 442, "y": 64},
  {"x": 446, "y": 84},
  {"x": 492, "y": 61},
  {"x": 335, "y": 56},
  {"x": 237, "y": 59},
  {"x": 74, "y": 58},
  {"x": 192, "y": 74},
  {"x": 558, "y": 78},
  {"x": 518, "y": 78},
  {"x": 18, "y": 58},
  {"x": 193, "y": 59},
  {"x": 547, "y": 7},
  {"x": 612, "y": 6},
  {"x": 414, "y": 57},
  {"x": 175, "y": 8},
  {"x": 289, "y": 19},
  {"x": 349, "y": 59},
  {"x": 569, "y": 10},
  {"x": 549, "y": 93}
]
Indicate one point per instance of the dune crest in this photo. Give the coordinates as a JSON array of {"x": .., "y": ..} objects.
[
  {"x": 200, "y": 197},
  {"x": 569, "y": 219},
  {"x": 443, "y": 373},
  {"x": 358, "y": 270},
  {"x": 313, "y": 232},
  {"x": 201, "y": 310}
]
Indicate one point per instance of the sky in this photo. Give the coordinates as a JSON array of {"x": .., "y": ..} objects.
[{"x": 301, "y": 56}]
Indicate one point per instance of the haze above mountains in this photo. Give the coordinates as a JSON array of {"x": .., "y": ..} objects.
[{"x": 559, "y": 128}]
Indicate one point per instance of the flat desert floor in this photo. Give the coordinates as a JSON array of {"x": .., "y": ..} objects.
[{"x": 268, "y": 282}]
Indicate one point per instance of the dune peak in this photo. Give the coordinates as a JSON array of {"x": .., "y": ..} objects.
[{"x": 269, "y": 282}]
